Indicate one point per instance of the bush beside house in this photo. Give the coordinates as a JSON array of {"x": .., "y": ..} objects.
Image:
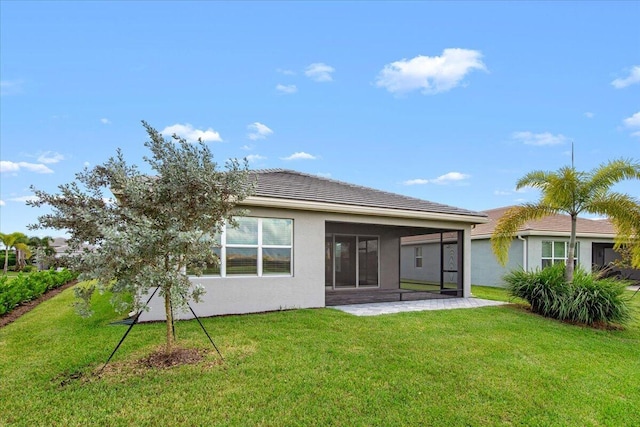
[{"x": 588, "y": 299}]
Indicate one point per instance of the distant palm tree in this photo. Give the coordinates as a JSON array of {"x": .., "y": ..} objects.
[
  {"x": 571, "y": 192},
  {"x": 42, "y": 250},
  {"x": 19, "y": 242}
]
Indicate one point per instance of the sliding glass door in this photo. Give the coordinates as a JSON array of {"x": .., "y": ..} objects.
[{"x": 351, "y": 261}]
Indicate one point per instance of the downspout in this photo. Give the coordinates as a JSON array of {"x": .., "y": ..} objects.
[{"x": 525, "y": 253}]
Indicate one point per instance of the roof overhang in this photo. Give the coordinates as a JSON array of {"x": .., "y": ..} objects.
[{"x": 306, "y": 205}]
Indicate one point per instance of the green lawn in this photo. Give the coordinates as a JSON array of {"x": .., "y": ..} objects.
[{"x": 478, "y": 367}]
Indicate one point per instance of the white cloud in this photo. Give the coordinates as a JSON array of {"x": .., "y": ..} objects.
[
  {"x": 258, "y": 131},
  {"x": 86, "y": 164},
  {"x": 431, "y": 74},
  {"x": 632, "y": 78},
  {"x": 545, "y": 138},
  {"x": 286, "y": 72},
  {"x": 287, "y": 89},
  {"x": 188, "y": 132},
  {"x": 105, "y": 121},
  {"x": 324, "y": 174},
  {"x": 319, "y": 72},
  {"x": 633, "y": 123},
  {"x": 252, "y": 158},
  {"x": 418, "y": 181},
  {"x": 589, "y": 115},
  {"x": 49, "y": 157},
  {"x": 10, "y": 87},
  {"x": 300, "y": 155},
  {"x": 247, "y": 147},
  {"x": 2, "y": 203},
  {"x": 8, "y": 166},
  {"x": 447, "y": 178},
  {"x": 24, "y": 199},
  {"x": 501, "y": 193}
]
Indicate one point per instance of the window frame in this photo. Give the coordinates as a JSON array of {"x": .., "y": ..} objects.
[
  {"x": 418, "y": 257},
  {"x": 553, "y": 259},
  {"x": 259, "y": 247}
]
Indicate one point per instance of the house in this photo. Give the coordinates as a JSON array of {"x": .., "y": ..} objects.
[
  {"x": 537, "y": 244},
  {"x": 307, "y": 241}
]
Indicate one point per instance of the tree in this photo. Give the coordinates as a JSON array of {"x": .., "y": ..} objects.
[
  {"x": 145, "y": 236},
  {"x": 17, "y": 241},
  {"x": 572, "y": 192},
  {"x": 42, "y": 251}
]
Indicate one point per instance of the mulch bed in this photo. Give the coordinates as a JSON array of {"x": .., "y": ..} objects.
[{"x": 28, "y": 306}]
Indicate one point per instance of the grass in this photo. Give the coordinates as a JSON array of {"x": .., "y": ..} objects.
[{"x": 487, "y": 366}]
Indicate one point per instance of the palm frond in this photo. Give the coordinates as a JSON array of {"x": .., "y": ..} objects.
[
  {"x": 604, "y": 176},
  {"x": 511, "y": 222}
]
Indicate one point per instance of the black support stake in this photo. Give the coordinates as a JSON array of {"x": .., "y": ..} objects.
[
  {"x": 205, "y": 331},
  {"x": 135, "y": 320}
]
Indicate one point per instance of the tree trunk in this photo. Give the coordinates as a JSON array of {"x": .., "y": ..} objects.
[
  {"x": 169, "y": 316},
  {"x": 6, "y": 259},
  {"x": 571, "y": 250}
]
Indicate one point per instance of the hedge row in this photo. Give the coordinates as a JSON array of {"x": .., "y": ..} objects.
[{"x": 26, "y": 287}]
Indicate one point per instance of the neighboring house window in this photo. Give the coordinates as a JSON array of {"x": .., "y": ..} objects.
[
  {"x": 556, "y": 252},
  {"x": 418, "y": 256},
  {"x": 257, "y": 247}
]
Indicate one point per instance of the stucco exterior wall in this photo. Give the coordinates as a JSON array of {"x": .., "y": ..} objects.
[
  {"x": 306, "y": 287},
  {"x": 485, "y": 269},
  {"x": 430, "y": 270},
  {"x": 251, "y": 294}
]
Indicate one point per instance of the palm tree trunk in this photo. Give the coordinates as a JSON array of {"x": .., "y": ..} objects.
[
  {"x": 169, "y": 316},
  {"x": 571, "y": 250},
  {"x": 6, "y": 259}
]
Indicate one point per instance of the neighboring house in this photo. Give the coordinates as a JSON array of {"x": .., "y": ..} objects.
[
  {"x": 538, "y": 244},
  {"x": 307, "y": 241}
]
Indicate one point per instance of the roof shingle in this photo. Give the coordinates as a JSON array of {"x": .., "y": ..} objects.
[
  {"x": 293, "y": 185},
  {"x": 553, "y": 223}
]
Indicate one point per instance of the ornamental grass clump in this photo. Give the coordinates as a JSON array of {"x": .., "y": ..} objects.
[{"x": 588, "y": 299}]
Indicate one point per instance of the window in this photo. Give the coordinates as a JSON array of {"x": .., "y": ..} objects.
[
  {"x": 418, "y": 256},
  {"x": 256, "y": 247},
  {"x": 556, "y": 252}
]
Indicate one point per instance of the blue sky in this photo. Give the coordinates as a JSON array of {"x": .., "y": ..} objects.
[{"x": 448, "y": 102}]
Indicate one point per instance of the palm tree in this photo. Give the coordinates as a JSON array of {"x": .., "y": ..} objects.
[
  {"x": 572, "y": 192},
  {"x": 19, "y": 242},
  {"x": 42, "y": 250}
]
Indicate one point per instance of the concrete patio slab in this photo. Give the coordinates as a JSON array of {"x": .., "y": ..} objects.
[{"x": 375, "y": 309}]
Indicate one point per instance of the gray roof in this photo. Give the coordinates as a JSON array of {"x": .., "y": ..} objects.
[{"x": 293, "y": 185}]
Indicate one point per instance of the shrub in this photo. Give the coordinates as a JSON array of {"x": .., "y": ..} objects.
[
  {"x": 24, "y": 288},
  {"x": 588, "y": 299}
]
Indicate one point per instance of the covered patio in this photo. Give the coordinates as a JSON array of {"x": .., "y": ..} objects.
[{"x": 366, "y": 263}]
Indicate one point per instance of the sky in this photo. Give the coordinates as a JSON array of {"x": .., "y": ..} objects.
[{"x": 450, "y": 102}]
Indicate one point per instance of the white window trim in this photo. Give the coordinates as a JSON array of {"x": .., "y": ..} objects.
[
  {"x": 417, "y": 257},
  {"x": 259, "y": 246},
  {"x": 553, "y": 258}
]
